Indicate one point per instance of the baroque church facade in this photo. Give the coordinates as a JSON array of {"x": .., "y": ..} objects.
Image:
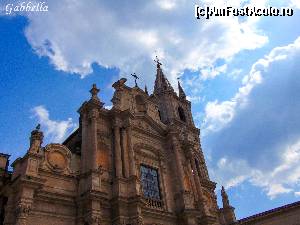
[{"x": 140, "y": 162}]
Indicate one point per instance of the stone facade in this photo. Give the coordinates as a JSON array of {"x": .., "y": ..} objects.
[{"x": 138, "y": 163}]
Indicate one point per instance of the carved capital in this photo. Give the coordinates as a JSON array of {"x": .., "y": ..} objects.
[
  {"x": 93, "y": 114},
  {"x": 127, "y": 123},
  {"x": 99, "y": 170},
  {"x": 117, "y": 122},
  {"x": 94, "y": 220},
  {"x": 23, "y": 209}
]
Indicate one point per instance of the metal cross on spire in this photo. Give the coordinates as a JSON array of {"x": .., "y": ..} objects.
[
  {"x": 38, "y": 127},
  {"x": 135, "y": 78},
  {"x": 157, "y": 62}
]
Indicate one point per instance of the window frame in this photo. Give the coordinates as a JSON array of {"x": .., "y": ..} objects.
[{"x": 158, "y": 182}]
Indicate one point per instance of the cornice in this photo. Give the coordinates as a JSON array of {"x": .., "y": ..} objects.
[{"x": 208, "y": 183}]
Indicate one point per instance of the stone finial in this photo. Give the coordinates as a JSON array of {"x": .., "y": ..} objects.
[
  {"x": 146, "y": 90},
  {"x": 36, "y": 139},
  {"x": 94, "y": 91},
  {"x": 225, "y": 199},
  {"x": 228, "y": 210}
]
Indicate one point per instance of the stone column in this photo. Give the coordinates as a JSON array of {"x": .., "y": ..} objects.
[
  {"x": 178, "y": 162},
  {"x": 93, "y": 138},
  {"x": 84, "y": 143},
  {"x": 132, "y": 167},
  {"x": 193, "y": 181},
  {"x": 201, "y": 198},
  {"x": 118, "y": 159},
  {"x": 164, "y": 180},
  {"x": 124, "y": 149}
]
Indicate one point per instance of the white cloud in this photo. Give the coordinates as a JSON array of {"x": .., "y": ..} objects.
[
  {"x": 295, "y": 4},
  {"x": 235, "y": 73},
  {"x": 75, "y": 34},
  {"x": 231, "y": 172},
  {"x": 219, "y": 114},
  {"x": 284, "y": 178},
  {"x": 259, "y": 127},
  {"x": 166, "y": 4},
  {"x": 55, "y": 131},
  {"x": 212, "y": 72},
  {"x": 194, "y": 99}
]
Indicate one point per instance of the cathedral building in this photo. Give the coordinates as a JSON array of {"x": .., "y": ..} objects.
[{"x": 140, "y": 162}]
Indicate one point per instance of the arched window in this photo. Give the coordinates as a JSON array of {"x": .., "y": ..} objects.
[{"x": 181, "y": 114}]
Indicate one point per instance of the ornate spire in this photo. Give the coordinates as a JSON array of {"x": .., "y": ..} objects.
[
  {"x": 227, "y": 210},
  {"x": 181, "y": 92},
  {"x": 161, "y": 82},
  {"x": 225, "y": 199}
]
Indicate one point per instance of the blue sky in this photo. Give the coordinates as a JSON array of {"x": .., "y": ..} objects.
[{"x": 242, "y": 76}]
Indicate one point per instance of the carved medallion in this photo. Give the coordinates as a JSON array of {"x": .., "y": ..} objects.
[
  {"x": 57, "y": 160},
  {"x": 57, "y": 157}
]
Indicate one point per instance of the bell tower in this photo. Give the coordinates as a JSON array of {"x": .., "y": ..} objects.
[
  {"x": 193, "y": 188},
  {"x": 171, "y": 106}
]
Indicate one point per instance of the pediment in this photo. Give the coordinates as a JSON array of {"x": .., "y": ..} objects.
[
  {"x": 147, "y": 150},
  {"x": 147, "y": 124}
]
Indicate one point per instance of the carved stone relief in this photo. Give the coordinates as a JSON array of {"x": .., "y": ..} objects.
[{"x": 57, "y": 158}]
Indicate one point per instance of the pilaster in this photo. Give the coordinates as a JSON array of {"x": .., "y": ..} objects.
[
  {"x": 132, "y": 167},
  {"x": 179, "y": 198},
  {"x": 117, "y": 150}
]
